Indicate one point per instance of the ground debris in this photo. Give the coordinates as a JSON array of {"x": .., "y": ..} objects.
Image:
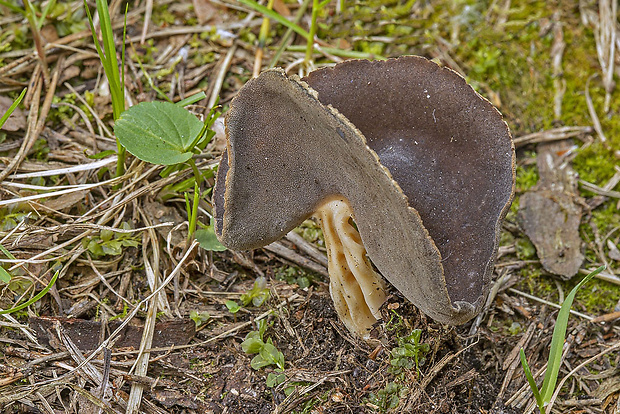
[
  {"x": 550, "y": 213},
  {"x": 86, "y": 334}
]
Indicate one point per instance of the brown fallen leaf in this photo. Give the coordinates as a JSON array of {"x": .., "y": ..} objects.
[
  {"x": 85, "y": 333},
  {"x": 551, "y": 211},
  {"x": 205, "y": 10}
]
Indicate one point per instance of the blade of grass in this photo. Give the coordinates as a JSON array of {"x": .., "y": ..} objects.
[
  {"x": 557, "y": 341},
  {"x": 34, "y": 299},
  {"x": 339, "y": 52},
  {"x": 108, "y": 59},
  {"x": 116, "y": 87},
  {"x": 8, "y": 113},
  {"x": 531, "y": 381},
  {"x": 192, "y": 99},
  {"x": 275, "y": 16}
]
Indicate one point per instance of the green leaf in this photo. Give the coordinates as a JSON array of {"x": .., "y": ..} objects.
[
  {"x": 557, "y": 340},
  {"x": 208, "y": 240},
  {"x": 199, "y": 317},
  {"x": 275, "y": 379},
  {"x": 252, "y": 345},
  {"x": 5, "y": 276},
  {"x": 233, "y": 307},
  {"x": 258, "y": 362},
  {"x": 158, "y": 132}
]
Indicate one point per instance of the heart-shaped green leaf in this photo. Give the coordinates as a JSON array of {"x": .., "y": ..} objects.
[{"x": 158, "y": 132}]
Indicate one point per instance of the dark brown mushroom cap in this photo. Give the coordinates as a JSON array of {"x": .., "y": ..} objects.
[
  {"x": 447, "y": 148},
  {"x": 287, "y": 154}
]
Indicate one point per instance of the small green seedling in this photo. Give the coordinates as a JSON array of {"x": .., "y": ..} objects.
[
  {"x": 409, "y": 353},
  {"x": 266, "y": 354},
  {"x": 543, "y": 396},
  {"x": 199, "y": 318},
  {"x": 233, "y": 306},
  {"x": 109, "y": 242},
  {"x": 255, "y": 296},
  {"x": 387, "y": 398}
]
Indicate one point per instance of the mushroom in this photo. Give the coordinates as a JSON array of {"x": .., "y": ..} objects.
[{"x": 406, "y": 167}]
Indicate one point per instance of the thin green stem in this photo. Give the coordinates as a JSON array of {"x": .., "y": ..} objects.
[
  {"x": 193, "y": 217},
  {"x": 310, "y": 39},
  {"x": 197, "y": 173}
]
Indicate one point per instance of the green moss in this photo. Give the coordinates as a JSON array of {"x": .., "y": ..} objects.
[
  {"x": 606, "y": 218},
  {"x": 525, "y": 249},
  {"x": 527, "y": 177},
  {"x": 595, "y": 163}
]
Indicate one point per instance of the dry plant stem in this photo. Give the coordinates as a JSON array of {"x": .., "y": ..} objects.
[
  {"x": 142, "y": 363},
  {"x": 356, "y": 289},
  {"x": 39, "y": 122},
  {"x": 556, "y": 134},
  {"x": 307, "y": 247},
  {"x": 38, "y": 42},
  {"x": 557, "y": 51},
  {"x": 152, "y": 270},
  {"x": 32, "y": 87},
  {"x": 30, "y": 132},
  {"x": 595, "y": 120},
  {"x": 219, "y": 81},
  {"x": 282, "y": 251},
  {"x": 147, "y": 19},
  {"x": 605, "y": 45}
]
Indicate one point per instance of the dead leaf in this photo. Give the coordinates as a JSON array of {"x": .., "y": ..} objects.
[
  {"x": 550, "y": 212},
  {"x": 281, "y": 8},
  {"x": 205, "y": 10}
]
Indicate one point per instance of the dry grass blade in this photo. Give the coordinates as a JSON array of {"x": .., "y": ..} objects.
[
  {"x": 556, "y": 134},
  {"x": 595, "y": 120},
  {"x": 606, "y": 32}
]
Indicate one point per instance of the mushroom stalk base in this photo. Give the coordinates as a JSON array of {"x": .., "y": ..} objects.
[{"x": 356, "y": 289}]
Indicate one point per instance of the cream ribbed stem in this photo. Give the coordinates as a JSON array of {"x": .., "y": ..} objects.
[{"x": 356, "y": 289}]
